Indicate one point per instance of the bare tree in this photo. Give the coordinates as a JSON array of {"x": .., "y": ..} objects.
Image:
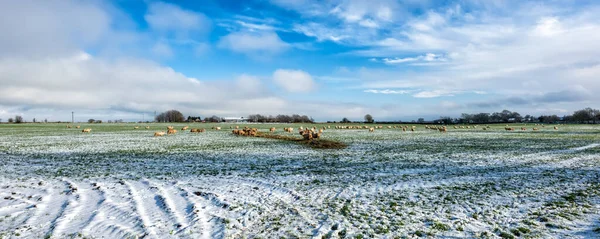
[
  {"x": 369, "y": 118},
  {"x": 18, "y": 119},
  {"x": 170, "y": 116}
]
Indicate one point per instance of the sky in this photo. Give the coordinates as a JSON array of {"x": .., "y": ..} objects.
[{"x": 329, "y": 59}]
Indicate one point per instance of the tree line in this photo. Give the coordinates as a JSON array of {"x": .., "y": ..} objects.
[
  {"x": 583, "y": 116},
  {"x": 295, "y": 118}
]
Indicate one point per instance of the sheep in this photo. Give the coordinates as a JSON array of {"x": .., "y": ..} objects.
[
  {"x": 136, "y": 127},
  {"x": 535, "y": 129},
  {"x": 217, "y": 128},
  {"x": 147, "y": 127},
  {"x": 523, "y": 128},
  {"x": 68, "y": 126},
  {"x": 169, "y": 127},
  {"x": 509, "y": 129},
  {"x": 237, "y": 127},
  {"x": 309, "y": 135},
  {"x": 371, "y": 129},
  {"x": 196, "y": 130},
  {"x": 172, "y": 131},
  {"x": 272, "y": 129},
  {"x": 320, "y": 131},
  {"x": 86, "y": 130},
  {"x": 159, "y": 133},
  {"x": 77, "y": 126},
  {"x": 555, "y": 127},
  {"x": 184, "y": 128},
  {"x": 443, "y": 129}
]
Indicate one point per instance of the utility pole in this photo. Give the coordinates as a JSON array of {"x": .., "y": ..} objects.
[{"x": 72, "y": 117}]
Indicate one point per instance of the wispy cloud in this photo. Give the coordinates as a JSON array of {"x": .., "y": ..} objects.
[
  {"x": 251, "y": 43},
  {"x": 429, "y": 57},
  {"x": 387, "y": 91}
]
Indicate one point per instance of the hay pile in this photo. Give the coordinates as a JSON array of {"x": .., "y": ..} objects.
[
  {"x": 309, "y": 138},
  {"x": 313, "y": 143}
]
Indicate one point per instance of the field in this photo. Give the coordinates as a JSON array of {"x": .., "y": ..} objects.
[{"x": 121, "y": 182}]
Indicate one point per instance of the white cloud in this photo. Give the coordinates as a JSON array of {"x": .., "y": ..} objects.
[
  {"x": 87, "y": 83},
  {"x": 548, "y": 27},
  {"x": 433, "y": 94},
  {"x": 386, "y": 91},
  {"x": 254, "y": 43},
  {"x": 168, "y": 17},
  {"x": 295, "y": 81},
  {"x": 42, "y": 28},
  {"x": 429, "y": 57}
]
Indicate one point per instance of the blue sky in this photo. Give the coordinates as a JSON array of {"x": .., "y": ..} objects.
[{"x": 396, "y": 60}]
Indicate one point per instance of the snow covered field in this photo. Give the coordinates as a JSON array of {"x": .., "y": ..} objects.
[{"x": 120, "y": 182}]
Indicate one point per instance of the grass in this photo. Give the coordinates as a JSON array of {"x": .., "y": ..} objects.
[{"x": 385, "y": 183}]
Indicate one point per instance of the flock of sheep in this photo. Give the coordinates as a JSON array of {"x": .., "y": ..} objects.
[{"x": 313, "y": 133}]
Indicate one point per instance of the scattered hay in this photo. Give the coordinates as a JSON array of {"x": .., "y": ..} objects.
[{"x": 315, "y": 143}]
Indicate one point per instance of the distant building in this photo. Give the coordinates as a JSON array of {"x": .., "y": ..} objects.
[{"x": 234, "y": 119}]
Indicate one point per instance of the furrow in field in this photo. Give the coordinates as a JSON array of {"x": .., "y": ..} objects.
[
  {"x": 148, "y": 209},
  {"x": 174, "y": 204}
]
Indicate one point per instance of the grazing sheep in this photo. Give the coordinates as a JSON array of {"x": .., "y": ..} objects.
[
  {"x": 77, "y": 126},
  {"x": 184, "y": 128},
  {"x": 272, "y": 129},
  {"x": 159, "y": 133},
  {"x": 523, "y": 128},
  {"x": 196, "y": 130},
  {"x": 172, "y": 131},
  {"x": 136, "y": 127},
  {"x": 443, "y": 129},
  {"x": 237, "y": 127},
  {"x": 535, "y": 129},
  {"x": 147, "y": 127},
  {"x": 371, "y": 129},
  {"x": 86, "y": 130},
  {"x": 555, "y": 127},
  {"x": 320, "y": 131},
  {"x": 509, "y": 129},
  {"x": 217, "y": 128},
  {"x": 169, "y": 127},
  {"x": 309, "y": 135}
]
